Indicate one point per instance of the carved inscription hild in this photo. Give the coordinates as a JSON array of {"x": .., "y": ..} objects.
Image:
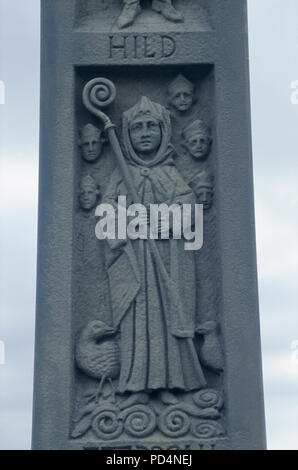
[
  {"x": 141, "y": 323},
  {"x": 141, "y": 46}
]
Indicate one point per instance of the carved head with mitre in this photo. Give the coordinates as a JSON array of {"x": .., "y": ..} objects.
[
  {"x": 203, "y": 186},
  {"x": 91, "y": 140},
  {"x": 181, "y": 94},
  {"x": 89, "y": 193},
  {"x": 197, "y": 139}
]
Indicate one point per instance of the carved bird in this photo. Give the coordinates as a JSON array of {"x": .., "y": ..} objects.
[
  {"x": 97, "y": 355},
  {"x": 211, "y": 355}
]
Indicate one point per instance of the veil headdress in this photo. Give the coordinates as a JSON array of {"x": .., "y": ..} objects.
[{"x": 146, "y": 107}]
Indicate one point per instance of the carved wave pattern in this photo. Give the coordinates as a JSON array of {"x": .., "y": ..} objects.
[{"x": 200, "y": 419}]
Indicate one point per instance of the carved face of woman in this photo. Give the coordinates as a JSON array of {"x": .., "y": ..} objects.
[
  {"x": 198, "y": 145},
  {"x": 145, "y": 136}
]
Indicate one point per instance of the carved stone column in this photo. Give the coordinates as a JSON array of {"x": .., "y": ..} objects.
[{"x": 144, "y": 343}]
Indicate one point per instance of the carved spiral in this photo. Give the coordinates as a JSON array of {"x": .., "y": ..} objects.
[
  {"x": 174, "y": 422},
  {"x": 207, "y": 429},
  {"x": 139, "y": 421},
  {"x": 98, "y": 94},
  {"x": 107, "y": 425},
  {"x": 208, "y": 398}
]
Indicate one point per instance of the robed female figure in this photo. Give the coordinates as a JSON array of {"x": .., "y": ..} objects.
[{"x": 156, "y": 314}]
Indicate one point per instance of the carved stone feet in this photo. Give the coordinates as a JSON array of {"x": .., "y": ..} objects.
[
  {"x": 140, "y": 398},
  {"x": 129, "y": 14},
  {"x": 167, "y": 11},
  {"x": 168, "y": 398}
]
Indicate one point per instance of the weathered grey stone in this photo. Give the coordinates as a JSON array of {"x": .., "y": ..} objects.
[{"x": 141, "y": 344}]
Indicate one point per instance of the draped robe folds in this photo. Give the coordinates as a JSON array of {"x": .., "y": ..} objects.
[{"x": 157, "y": 328}]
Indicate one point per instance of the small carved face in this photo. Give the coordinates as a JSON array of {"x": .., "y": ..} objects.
[
  {"x": 198, "y": 145},
  {"x": 88, "y": 196},
  {"x": 91, "y": 144},
  {"x": 182, "y": 100},
  {"x": 205, "y": 197},
  {"x": 145, "y": 135}
]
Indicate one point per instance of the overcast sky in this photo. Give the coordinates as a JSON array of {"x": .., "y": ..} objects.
[{"x": 273, "y": 29}]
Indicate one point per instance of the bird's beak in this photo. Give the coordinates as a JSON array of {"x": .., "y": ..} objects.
[{"x": 111, "y": 331}]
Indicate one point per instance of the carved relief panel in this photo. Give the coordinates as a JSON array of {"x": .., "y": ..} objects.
[{"x": 148, "y": 348}]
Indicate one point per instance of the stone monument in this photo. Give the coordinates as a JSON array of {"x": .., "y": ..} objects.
[{"x": 142, "y": 343}]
